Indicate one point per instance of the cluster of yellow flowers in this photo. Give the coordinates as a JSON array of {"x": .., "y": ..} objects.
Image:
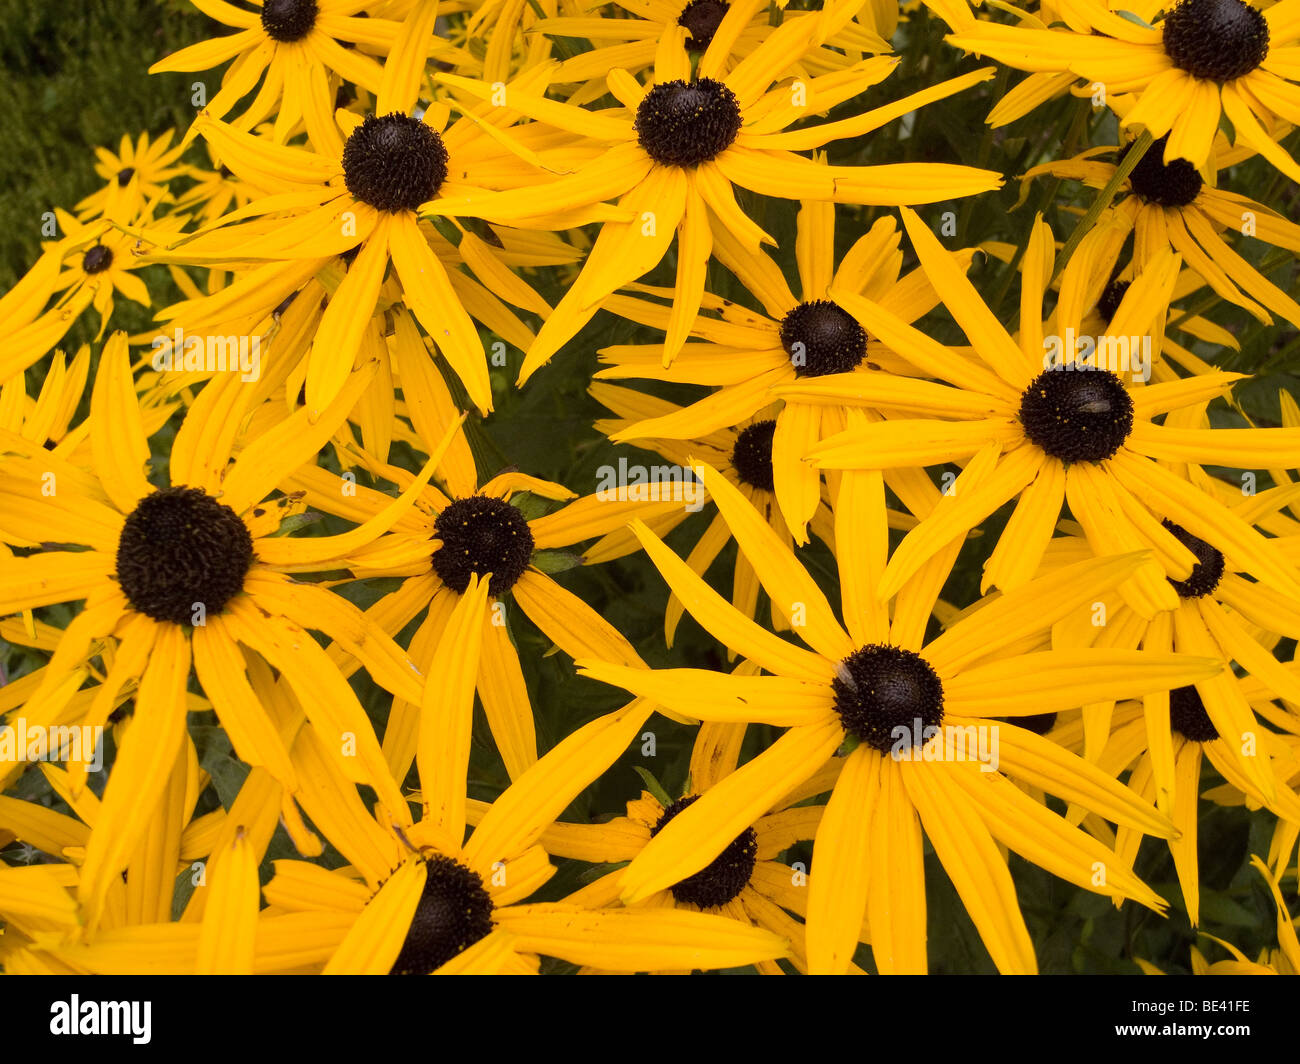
[{"x": 276, "y": 512}]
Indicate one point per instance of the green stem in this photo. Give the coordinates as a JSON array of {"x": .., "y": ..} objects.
[{"x": 1125, "y": 167}]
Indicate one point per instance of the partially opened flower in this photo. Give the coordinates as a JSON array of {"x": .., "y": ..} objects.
[{"x": 911, "y": 712}]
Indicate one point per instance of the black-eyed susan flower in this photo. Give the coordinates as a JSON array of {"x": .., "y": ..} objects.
[
  {"x": 462, "y": 555},
  {"x": 896, "y": 698},
  {"x": 746, "y": 881},
  {"x": 744, "y": 456},
  {"x": 1168, "y": 204},
  {"x": 423, "y": 899},
  {"x": 1037, "y": 427},
  {"x": 675, "y": 149},
  {"x": 1204, "y": 61},
  {"x": 361, "y": 199},
  {"x": 1195, "y": 740},
  {"x": 1219, "y": 613},
  {"x": 629, "y": 38},
  {"x": 138, "y": 175},
  {"x": 174, "y": 580},
  {"x": 745, "y": 354},
  {"x": 292, "y": 49},
  {"x": 102, "y": 260}
]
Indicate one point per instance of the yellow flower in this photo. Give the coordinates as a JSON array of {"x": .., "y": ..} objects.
[
  {"x": 1204, "y": 61},
  {"x": 911, "y": 711},
  {"x": 674, "y": 150}
]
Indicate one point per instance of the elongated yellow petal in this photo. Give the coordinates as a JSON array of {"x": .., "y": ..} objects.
[
  {"x": 226, "y": 936},
  {"x": 838, "y": 889},
  {"x": 703, "y": 830},
  {"x": 631, "y": 940},
  {"x": 375, "y": 938},
  {"x": 973, "y": 863}
]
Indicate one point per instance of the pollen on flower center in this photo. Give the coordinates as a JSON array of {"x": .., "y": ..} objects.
[
  {"x": 886, "y": 696},
  {"x": 1188, "y": 718},
  {"x": 685, "y": 124},
  {"x": 481, "y": 535},
  {"x": 725, "y": 876},
  {"x": 97, "y": 259},
  {"x": 1172, "y": 185},
  {"x": 701, "y": 18},
  {"x": 1077, "y": 415},
  {"x": 394, "y": 163},
  {"x": 454, "y": 912},
  {"x": 288, "y": 20},
  {"x": 1208, "y": 570},
  {"x": 822, "y": 337},
  {"x": 751, "y": 457},
  {"x": 1218, "y": 40},
  {"x": 179, "y": 549}
]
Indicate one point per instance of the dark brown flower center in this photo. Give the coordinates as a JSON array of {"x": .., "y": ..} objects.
[
  {"x": 481, "y": 535},
  {"x": 751, "y": 457},
  {"x": 1077, "y": 414},
  {"x": 394, "y": 163},
  {"x": 182, "y": 555},
  {"x": 723, "y": 878},
  {"x": 1218, "y": 40},
  {"x": 681, "y": 123},
  {"x": 887, "y": 696},
  {"x": 701, "y": 18},
  {"x": 822, "y": 337},
  {"x": 454, "y": 912},
  {"x": 288, "y": 20}
]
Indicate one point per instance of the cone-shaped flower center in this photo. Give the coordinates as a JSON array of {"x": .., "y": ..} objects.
[
  {"x": 1175, "y": 185},
  {"x": 1216, "y": 39},
  {"x": 288, "y": 20},
  {"x": 701, "y": 19},
  {"x": 481, "y": 535},
  {"x": 1077, "y": 415},
  {"x": 751, "y": 458},
  {"x": 1188, "y": 718},
  {"x": 681, "y": 123},
  {"x": 394, "y": 163},
  {"x": 182, "y": 554},
  {"x": 887, "y": 696},
  {"x": 822, "y": 337},
  {"x": 97, "y": 259}
]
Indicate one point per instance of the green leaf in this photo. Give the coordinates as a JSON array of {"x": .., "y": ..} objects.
[
  {"x": 653, "y": 785},
  {"x": 556, "y": 561}
]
